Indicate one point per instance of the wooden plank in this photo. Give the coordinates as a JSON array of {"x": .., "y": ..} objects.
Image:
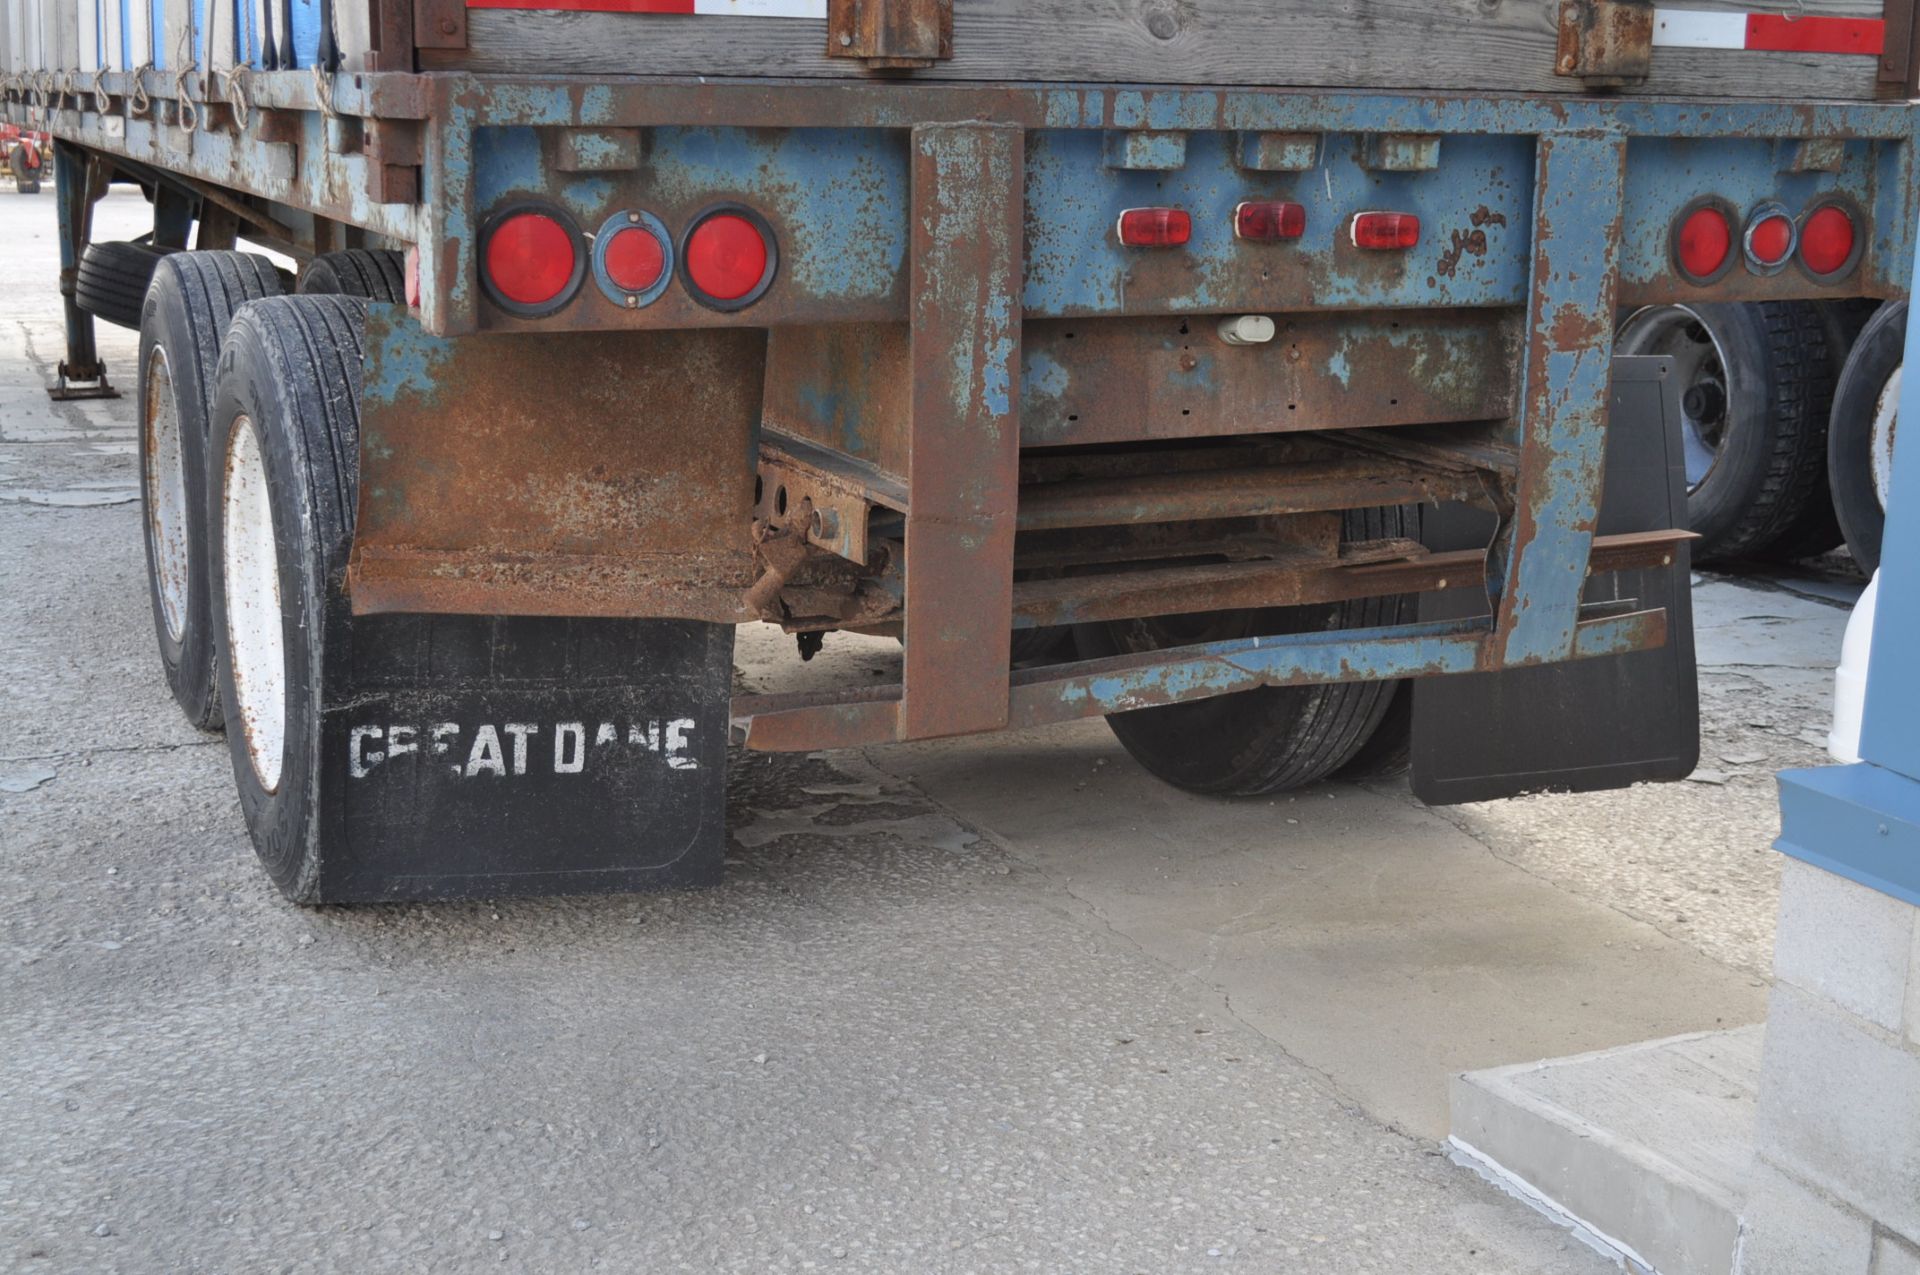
[
  {"x": 62, "y": 35},
  {"x": 110, "y": 29},
  {"x": 178, "y": 48},
  {"x": 1458, "y": 45},
  {"x": 87, "y": 53},
  {"x": 137, "y": 17}
]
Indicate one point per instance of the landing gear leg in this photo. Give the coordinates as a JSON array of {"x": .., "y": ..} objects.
[{"x": 79, "y": 181}]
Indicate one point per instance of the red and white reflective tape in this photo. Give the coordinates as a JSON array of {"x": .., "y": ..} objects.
[
  {"x": 1767, "y": 32},
  {"x": 697, "y": 8}
]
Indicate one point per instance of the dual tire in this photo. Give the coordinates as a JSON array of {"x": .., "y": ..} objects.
[
  {"x": 186, "y": 302},
  {"x": 1860, "y": 440},
  {"x": 114, "y": 275},
  {"x": 281, "y": 486},
  {"x": 183, "y": 318},
  {"x": 1757, "y": 382},
  {"x": 1273, "y": 738}
]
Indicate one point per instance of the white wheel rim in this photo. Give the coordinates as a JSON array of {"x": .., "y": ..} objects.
[
  {"x": 251, "y": 578},
  {"x": 165, "y": 477},
  {"x": 1680, "y": 333},
  {"x": 1886, "y": 414}
]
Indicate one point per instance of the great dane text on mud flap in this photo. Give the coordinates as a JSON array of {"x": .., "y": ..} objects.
[{"x": 505, "y": 749}]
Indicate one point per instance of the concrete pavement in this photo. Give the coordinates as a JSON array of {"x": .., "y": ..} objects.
[{"x": 981, "y": 1006}]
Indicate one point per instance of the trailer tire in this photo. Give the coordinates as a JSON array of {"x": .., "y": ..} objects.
[
  {"x": 378, "y": 274},
  {"x": 1860, "y": 440},
  {"x": 112, "y": 280},
  {"x": 1272, "y": 738},
  {"x": 282, "y": 478},
  {"x": 1758, "y": 375},
  {"x": 1817, "y": 529},
  {"x": 183, "y": 318},
  {"x": 1389, "y": 750}
]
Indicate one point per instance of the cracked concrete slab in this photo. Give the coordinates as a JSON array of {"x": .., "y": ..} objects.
[
  {"x": 885, "y": 1044},
  {"x": 1369, "y": 937}
]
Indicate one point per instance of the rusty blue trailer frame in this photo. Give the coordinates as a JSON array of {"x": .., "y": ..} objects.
[{"x": 949, "y": 244}]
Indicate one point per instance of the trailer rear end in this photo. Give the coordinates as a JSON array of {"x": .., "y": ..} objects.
[{"x": 1050, "y": 338}]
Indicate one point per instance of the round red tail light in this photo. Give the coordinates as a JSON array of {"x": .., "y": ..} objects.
[
  {"x": 1703, "y": 244},
  {"x": 531, "y": 260},
  {"x": 728, "y": 258},
  {"x": 1769, "y": 239},
  {"x": 1828, "y": 242},
  {"x": 633, "y": 259}
]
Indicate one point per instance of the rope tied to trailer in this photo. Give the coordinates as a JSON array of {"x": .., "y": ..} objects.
[
  {"x": 102, "y": 100},
  {"x": 70, "y": 88},
  {"x": 323, "y": 90},
  {"x": 138, "y": 100},
  {"x": 187, "y": 113},
  {"x": 237, "y": 80}
]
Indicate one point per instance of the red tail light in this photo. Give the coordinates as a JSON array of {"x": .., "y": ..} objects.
[
  {"x": 1386, "y": 231},
  {"x": 1269, "y": 222},
  {"x": 531, "y": 260},
  {"x": 1828, "y": 241},
  {"x": 729, "y": 258},
  {"x": 1703, "y": 243},
  {"x": 1769, "y": 239},
  {"x": 1155, "y": 227},
  {"x": 635, "y": 260}
]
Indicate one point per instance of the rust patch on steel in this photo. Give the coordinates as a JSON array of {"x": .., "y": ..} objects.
[
  {"x": 1125, "y": 380},
  {"x": 964, "y": 442},
  {"x": 1464, "y": 243},
  {"x": 602, "y": 475},
  {"x": 1606, "y": 43}
]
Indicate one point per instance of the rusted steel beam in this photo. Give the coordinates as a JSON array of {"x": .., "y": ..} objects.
[
  {"x": 1606, "y": 43},
  {"x": 1306, "y": 487},
  {"x": 1170, "y": 376},
  {"x": 964, "y": 446},
  {"x": 472, "y": 501},
  {"x": 802, "y": 723},
  {"x": 1540, "y": 556},
  {"x": 440, "y": 24},
  {"x": 890, "y": 35},
  {"x": 1186, "y": 589},
  {"x": 1092, "y": 688},
  {"x": 391, "y": 27}
]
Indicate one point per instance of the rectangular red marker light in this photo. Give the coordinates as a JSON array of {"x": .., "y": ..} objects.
[
  {"x": 1155, "y": 227},
  {"x": 1269, "y": 222},
  {"x": 1385, "y": 231}
]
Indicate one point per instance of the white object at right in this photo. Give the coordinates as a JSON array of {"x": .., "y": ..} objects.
[{"x": 1850, "y": 679}]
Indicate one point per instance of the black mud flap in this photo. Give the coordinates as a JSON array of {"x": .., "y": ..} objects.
[
  {"x": 1589, "y": 724},
  {"x": 477, "y": 757}
]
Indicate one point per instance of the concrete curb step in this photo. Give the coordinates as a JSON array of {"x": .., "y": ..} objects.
[{"x": 1645, "y": 1147}]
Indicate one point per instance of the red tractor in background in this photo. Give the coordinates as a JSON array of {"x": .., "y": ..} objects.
[{"x": 27, "y": 154}]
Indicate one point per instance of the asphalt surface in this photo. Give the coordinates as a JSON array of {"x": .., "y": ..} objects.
[{"x": 999, "y": 1005}]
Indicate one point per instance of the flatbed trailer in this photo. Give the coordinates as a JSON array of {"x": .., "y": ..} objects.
[{"x": 1052, "y": 338}]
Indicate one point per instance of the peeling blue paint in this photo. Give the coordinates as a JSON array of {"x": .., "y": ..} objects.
[
  {"x": 1340, "y": 369},
  {"x": 402, "y": 360}
]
